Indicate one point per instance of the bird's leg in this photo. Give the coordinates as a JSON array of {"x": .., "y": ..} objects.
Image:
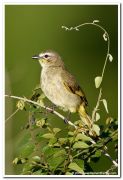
[
  {"x": 52, "y": 108},
  {"x": 68, "y": 118}
]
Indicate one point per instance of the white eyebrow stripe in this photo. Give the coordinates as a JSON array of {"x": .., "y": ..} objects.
[{"x": 43, "y": 54}]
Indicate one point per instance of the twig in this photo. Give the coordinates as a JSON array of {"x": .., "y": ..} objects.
[
  {"x": 11, "y": 115},
  {"x": 97, "y": 105},
  {"x": 106, "y": 38},
  {"x": 106, "y": 154},
  {"x": 47, "y": 108},
  {"x": 111, "y": 169}
]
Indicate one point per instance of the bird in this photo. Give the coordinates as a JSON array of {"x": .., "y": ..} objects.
[{"x": 60, "y": 86}]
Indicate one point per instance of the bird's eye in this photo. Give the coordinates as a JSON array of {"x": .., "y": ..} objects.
[{"x": 46, "y": 56}]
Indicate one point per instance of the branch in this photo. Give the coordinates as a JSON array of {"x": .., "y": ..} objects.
[
  {"x": 47, "y": 108},
  {"x": 61, "y": 116},
  {"x": 11, "y": 115}
]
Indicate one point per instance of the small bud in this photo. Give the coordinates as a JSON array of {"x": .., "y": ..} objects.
[
  {"x": 105, "y": 36},
  {"x": 40, "y": 122},
  {"x": 110, "y": 57},
  {"x": 20, "y": 104},
  {"x": 96, "y": 21}
]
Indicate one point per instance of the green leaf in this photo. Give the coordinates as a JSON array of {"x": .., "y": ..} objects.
[
  {"x": 96, "y": 128},
  {"x": 75, "y": 167},
  {"x": 62, "y": 140},
  {"x": 54, "y": 156},
  {"x": 54, "y": 162},
  {"x": 56, "y": 144},
  {"x": 42, "y": 96},
  {"x": 56, "y": 130},
  {"x": 97, "y": 154},
  {"x": 105, "y": 36},
  {"x": 68, "y": 173},
  {"x": 27, "y": 167},
  {"x": 24, "y": 140},
  {"x": 26, "y": 149},
  {"x": 80, "y": 163},
  {"x": 52, "y": 141},
  {"x": 98, "y": 81},
  {"x": 105, "y": 105},
  {"x": 61, "y": 152},
  {"x": 15, "y": 161},
  {"x": 83, "y": 137},
  {"x": 110, "y": 57},
  {"x": 77, "y": 122},
  {"x": 20, "y": 104},
  {"x": 80, "y": 145},
  {"x": 97, "y": 116},
  {"x": 39, "y": 172},
  {"x": 23, "y": 160},
  {"x": 70, "y": 133},
  {"x": 49, "y": 151},
  {"x": 57, "y": 159},
  {"x": 39, "y": 136},
  {"x": 109, "y": 120},
  {"x": 115, "y": 137},
  {"x": 71, "y": 139},
  {"x": 48, "y": 136},
  {"x": 36, "y": 158},
  {"x": 40, "y": 101}
]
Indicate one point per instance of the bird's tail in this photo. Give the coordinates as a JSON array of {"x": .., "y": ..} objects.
[{"x": 84, "y": 116}]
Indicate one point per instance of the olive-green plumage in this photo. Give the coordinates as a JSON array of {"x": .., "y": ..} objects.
[{"x": 60, "y": 86}]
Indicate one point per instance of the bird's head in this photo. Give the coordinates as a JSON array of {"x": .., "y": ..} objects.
[{"x": 49, "y": 58}]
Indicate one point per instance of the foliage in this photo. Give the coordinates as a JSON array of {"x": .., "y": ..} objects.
[{"x": 49, "y": 151}]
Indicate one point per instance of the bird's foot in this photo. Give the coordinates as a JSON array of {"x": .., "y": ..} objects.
[
  {"x": 65, "y": 120},
  {"x": 50, "y": 109},
  {"x": 68, "y": 116},
  {"x": 53, "y": 107}
]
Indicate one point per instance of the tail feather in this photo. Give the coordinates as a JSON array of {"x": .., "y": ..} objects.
[{"x": 84, "y": 116}]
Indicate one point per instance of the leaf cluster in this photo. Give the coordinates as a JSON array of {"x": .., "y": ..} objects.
[{"x": 49, "y": 150}]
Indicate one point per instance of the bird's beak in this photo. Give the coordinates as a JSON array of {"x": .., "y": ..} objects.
[{"x": 36, "y": 57}]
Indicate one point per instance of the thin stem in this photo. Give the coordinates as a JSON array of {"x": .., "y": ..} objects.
[
  {"x": 11, "y": 115},
  {"x": 108, "y": 43},
  {"x": 97, "y": 105},
  {"x": 47, "y": 108},
  {"x": 111, "y": 169},
  {"x": 107, "y": 55},
  {"x": 106, "y": 154},
  {"x": 108, "y": 49}
]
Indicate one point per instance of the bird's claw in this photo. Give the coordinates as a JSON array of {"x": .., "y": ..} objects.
[{"x": 65, "y": 120}]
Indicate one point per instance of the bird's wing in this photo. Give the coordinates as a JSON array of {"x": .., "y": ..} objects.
[{"x": 71, "y": 85}]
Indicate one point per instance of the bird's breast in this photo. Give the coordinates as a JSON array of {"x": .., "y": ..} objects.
[{"x": 53, "y": 87}]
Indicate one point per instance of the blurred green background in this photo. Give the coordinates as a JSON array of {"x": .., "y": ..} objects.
[{"x": 30, "y": 29}]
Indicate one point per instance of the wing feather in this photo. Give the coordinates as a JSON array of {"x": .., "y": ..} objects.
[{"x": 73, "y": 87}]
